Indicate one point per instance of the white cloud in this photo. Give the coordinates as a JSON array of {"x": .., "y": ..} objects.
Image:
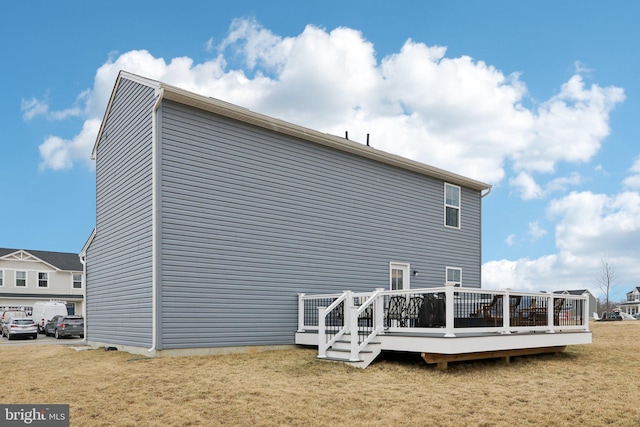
[
  {"x": 563, "y": 183},
  {"x": 528, "y": 189},
  {"x": 510, "y": 240},
  {"x": 456, "y": 113},
  {"x": 535, "y": 231},
  {"x": 33, "y": 107},
  {"x": 590, "y": 227},
  {"x": 547, "y": 273},
  {"x": 58, "y": 153},
  {"x": 526, "y": 186},
  {"x": 632, "y": 182},
  {"x": 570, "y": 126},
  {"x": 593, "y": 223}
]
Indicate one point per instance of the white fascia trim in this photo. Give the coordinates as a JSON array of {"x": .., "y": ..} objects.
[
  {"x": 107, "y": 111},
  {"x": 35, "y": 258},
  {"x": 242, "y": 114},
  {"x": 245, "y": 115}
]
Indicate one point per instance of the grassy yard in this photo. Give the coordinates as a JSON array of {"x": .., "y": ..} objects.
[{"x": 591, "y": 385}]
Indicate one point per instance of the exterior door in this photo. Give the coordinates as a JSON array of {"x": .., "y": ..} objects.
[{"x": 398, "y": 276}]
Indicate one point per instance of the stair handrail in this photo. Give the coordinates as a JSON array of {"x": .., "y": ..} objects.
[
  {"x": 323, "y": 344},
  {"x": 357, "y": 347}
]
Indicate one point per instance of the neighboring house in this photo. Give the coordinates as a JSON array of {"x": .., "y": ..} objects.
[
  {"x": 592, "y": 303},
  {"x": 28, "y": 276},
  {"x": 211, "y": 219},
  {"x": 632, "y": 305}
]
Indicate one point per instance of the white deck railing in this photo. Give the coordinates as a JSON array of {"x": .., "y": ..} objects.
[{"x": 447, "y": 311}]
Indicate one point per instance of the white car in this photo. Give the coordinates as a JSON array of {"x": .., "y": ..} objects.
[{"x": 20, "y": 327}]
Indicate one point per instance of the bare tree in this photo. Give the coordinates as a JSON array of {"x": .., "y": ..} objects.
[{"x": 606, "y": 280}]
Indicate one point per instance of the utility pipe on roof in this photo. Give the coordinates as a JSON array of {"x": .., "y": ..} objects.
[{"x": 154, "y": 230}]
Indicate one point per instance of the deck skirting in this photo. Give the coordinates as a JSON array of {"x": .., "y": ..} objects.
[
  {"x": 473, "y": 343},
  {"x": 465, "y": 345}
]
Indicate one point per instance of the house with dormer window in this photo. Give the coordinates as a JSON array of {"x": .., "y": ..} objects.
[
  {"x": 28, "y": 276},
  {"x": 632, "y": 304}
]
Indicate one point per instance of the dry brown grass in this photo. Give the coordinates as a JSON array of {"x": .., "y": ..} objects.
[{"x": 592, "y": 385}]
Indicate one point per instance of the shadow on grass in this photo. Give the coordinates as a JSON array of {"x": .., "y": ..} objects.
[{"x": 414, "y": 361}]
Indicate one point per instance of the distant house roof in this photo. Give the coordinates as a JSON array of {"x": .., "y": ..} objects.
[
  {"x": 637, "y": 288},
  {"x": 60, "y": 260},
  {"x": 222, "y": 108},
  {"x": 573, "y": 291}
]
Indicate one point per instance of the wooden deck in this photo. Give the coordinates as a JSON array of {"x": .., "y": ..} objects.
[{"x": 355, "y": 328}]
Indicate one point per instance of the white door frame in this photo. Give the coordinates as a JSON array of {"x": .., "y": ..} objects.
[{"x": 405, "y": 268}]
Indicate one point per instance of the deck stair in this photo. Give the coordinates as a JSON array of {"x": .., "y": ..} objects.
[{"x": 340, "y": 351}]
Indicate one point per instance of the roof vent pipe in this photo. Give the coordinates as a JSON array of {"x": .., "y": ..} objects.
[
  {"x": 367, "y": 140},
  {"x": 346, "y": 134}
]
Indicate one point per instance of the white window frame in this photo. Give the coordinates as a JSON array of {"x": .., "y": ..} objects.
[
  {"x": 16, "y": 279},
  {"x": 446, "y": 276},
  {"x": 71, "y": 304},
  {"x": 45, "y": 280},
  {"x": 452, "y": 206},
  {"x": 406, "y": 269},
  {"x": 73, "y": 281}
]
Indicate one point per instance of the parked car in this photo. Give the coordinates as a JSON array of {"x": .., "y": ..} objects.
[
  {"x": 65, "y": 326},
  {"x": 43, "y": 311},
  {"x": 609, "y": 316},
  {"x": 636, "y": 316},
  {"x": 20, "y": 327},
  {"x": 8, "y": 314}
]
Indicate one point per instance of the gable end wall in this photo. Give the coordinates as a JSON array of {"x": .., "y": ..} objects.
[{"x": 119, "y": 259}]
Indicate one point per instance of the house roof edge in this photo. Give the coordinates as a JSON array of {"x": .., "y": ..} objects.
[{"x": 242, "y": 114}]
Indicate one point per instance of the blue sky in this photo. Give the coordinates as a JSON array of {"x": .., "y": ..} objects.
[{"x": 539, "y": 99}]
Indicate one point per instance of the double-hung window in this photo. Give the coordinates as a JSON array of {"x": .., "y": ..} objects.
[
  {"x": 21, "y": 279},
  {"x": 77, "y": 281},
  {"x": 43, "y": 280},
  {"x": 454, "y": 275},
  {"x": 451, "y": 205}
]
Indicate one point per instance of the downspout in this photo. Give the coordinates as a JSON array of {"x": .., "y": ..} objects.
[
  {"x": 154, "y": 232},
  {"x": 83, "y": 261},
  {"x": 482, "y": 196}
]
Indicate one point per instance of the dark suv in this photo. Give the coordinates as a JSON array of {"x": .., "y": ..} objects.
[{"x": 65, "y": 326}]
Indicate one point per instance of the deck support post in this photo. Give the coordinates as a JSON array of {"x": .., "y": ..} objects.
[
  {"x": 585, "y": 310},
  {"x": 550, "y": 314},
  {"x": 353, "y": 329},
  {"x": 301, "y": 313},
  {"x": 346, "y": 310},
  {"x": 322, "y": 348},
  {"x": 449, "y": 315},
  {"x": 378, "y": 311},
  {"x": 506, "y": 312}
]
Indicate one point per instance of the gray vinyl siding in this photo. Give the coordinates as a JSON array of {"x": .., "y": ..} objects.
[
  {"x": 249, "y": 218},
  {"x": 119, "y": 259}
]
